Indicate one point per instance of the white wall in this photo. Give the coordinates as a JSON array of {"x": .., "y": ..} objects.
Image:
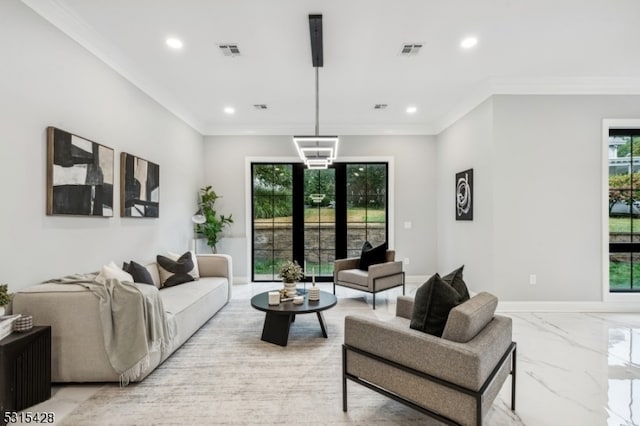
[
  {"x": 49, "y": 80},
  {"x": 548, "y": 194},
  {"x": 468, "y": 144},
  {"x": 542, "y": 195},
  {"x": 414, "y": 188}
]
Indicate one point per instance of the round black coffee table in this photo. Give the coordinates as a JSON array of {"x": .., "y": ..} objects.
[{"x": 278, "y": 318}]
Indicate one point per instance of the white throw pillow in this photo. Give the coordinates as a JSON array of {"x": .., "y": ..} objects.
[
  {"x": 195, "y": 272},
  {"x": 113, "y": 271}
]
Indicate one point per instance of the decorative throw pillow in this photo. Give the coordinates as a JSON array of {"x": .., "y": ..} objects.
[
  {"x": 139, "y": 272},
  {"x": 195, "y": 272},
  {"x": 372, "y": 255},
  {"x": 113, "y": 271},
  {"x": 454, "y": 279},
  {"x": 174, "y": 272},
  {"x": 365, "y": 247},
  {"x": 434, "y": 299}
]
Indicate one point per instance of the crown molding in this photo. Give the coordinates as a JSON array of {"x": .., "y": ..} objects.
[
  {"x": 538, "y": 86},
  {"x": 328, "y": 129},
  {"x": 566, "y": 86}
]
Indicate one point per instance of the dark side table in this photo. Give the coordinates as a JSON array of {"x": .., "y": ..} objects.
[{"x": 25, "y": 369}]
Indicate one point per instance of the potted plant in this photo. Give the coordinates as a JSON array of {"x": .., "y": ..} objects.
[
  {"x": 213, "y": 224},
  {"x": 5, "y": 298},
  {"x": 290, "y": 272}
]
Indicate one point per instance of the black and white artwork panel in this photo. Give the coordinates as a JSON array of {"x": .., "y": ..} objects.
[
  {"x": 140, "y": 187},
  {"x": 79, "y": 175},
  {"x": 464, "y": 195}
]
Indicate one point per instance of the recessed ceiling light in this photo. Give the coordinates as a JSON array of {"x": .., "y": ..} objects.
[
  {"x": 229, "y": 110},
  {"x": 468, "y": 42},
  {"x": 411, "y": 110},
  {"x": 174, "y": 43}
]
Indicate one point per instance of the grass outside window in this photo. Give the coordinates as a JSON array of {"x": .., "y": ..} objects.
[
  {"x": 623, "y": 224},
  {"x": 327, "y": 215},
  {"x": 620, "y": 275}
]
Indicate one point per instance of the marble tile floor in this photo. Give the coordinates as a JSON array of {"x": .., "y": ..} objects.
[{"x": 573, "y": 368}]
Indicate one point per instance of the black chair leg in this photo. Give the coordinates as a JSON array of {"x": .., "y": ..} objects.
[
  {"x": 374, "y": 301},
  {"x": 513, "y": 379},
  {"x": 344, "y": 379}
]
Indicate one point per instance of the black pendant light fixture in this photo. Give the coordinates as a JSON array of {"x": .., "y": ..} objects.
[{"x": 316, "y": 151}]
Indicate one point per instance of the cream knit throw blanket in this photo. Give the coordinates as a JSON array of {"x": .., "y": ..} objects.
[{"x": 134, "y": 322}]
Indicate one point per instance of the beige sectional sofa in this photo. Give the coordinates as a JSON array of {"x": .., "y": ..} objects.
[{"x": 78, "y": 351}]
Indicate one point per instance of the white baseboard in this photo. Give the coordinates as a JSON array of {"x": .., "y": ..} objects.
[
  {"x": 416, "y": 279},
  {"x": 542, "y": 306},
  {"x": 527, "y": 306}
]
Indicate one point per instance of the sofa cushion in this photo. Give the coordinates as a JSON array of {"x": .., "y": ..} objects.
[
  {"x": 194, "y": 272},
  {"x": 113, "y": 271},
  {"x": 139, "y": 272},
  {"x": 174, "y": 272},
  {"x": 466, "y": 320},
  {"x": 155, "y": 273},
  {"x": 434, "y": 299},
  {"x": 372, "y": 255},
  {"x": 177, "y": 299},
  {"x": 454, "y": 279},
  {"x": 354, "y": 276}
]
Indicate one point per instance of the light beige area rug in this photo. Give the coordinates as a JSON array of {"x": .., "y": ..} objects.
[{"x": 225, "y": 374}]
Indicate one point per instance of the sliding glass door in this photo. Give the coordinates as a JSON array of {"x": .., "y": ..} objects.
[
  {"x": 315, "y": 216},
  {"x": 272, "y": 206},
  {"x": 319, "y": 221},
  {"x": 366, "y": 206}
]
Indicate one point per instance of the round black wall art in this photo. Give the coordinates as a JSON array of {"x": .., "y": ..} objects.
[{"x": 464, "y": 195}]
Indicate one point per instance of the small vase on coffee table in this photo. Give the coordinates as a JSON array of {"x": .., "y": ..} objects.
[{"x": 291, "y": 289}]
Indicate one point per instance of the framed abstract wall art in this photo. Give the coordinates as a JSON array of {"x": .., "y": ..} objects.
[
  {"x": 139, "y": 187},
  {"x": 464, "y": 195},
  {"x": 79, "y": 175}
]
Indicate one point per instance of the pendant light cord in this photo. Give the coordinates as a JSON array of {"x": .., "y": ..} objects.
[{"x": 317, "y": 106}]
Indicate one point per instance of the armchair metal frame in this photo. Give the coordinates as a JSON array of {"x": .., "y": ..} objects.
[
  {"x": 374, "y": 291},
  {"x": 478, "y": 395}
]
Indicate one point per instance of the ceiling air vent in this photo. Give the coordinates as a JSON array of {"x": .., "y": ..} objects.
[
  {"x": 229, "y": 49},
  {"x": 260, "y": 106},
  {"x": 380, "y": 106},
  {"x": 410, "y": 49}
]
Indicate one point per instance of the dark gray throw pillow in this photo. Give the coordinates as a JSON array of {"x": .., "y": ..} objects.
[
  {"x": 174, "y": 272},
  {"x": 372, "y": 255},
  {"x": 139, "y": 272},
  {"x": 454, "y": 279},
  {"x": 434, "y": 299}
]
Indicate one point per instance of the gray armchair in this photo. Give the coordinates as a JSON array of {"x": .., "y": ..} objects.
[
  {"x": 454, "y": 378},
  {"x": 379, "y": 277}
]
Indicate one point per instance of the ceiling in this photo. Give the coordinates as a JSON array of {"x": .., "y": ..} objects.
[{"x": 524, "y": 46}]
